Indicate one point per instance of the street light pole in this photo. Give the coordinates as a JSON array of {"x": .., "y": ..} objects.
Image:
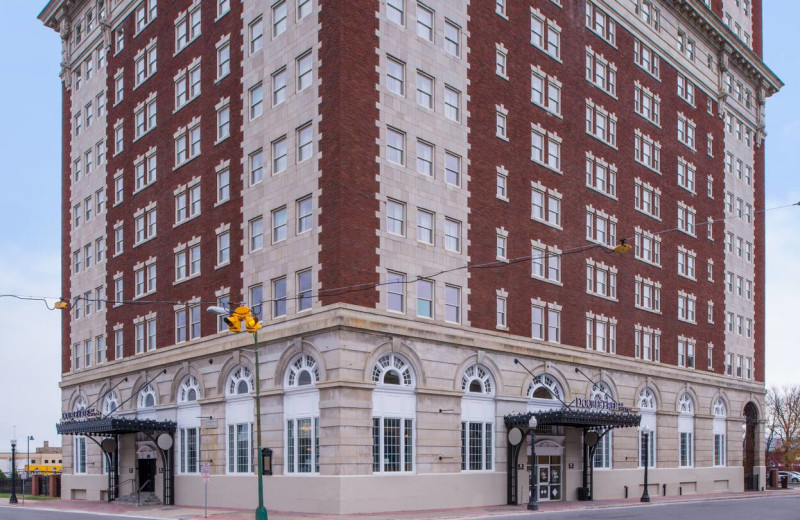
[
  {"x": 234, "y": 322},
  {"x": 27, "y": 466},
  {"x": 646, "y": 442},
  {"x": 13, "y": 499},
  {"x": 261, "y": 511},
  {"x": 533, "y": 492}
]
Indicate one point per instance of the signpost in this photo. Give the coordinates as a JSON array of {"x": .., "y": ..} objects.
[
  {"x": 23, "y": 475},
  {"x": 206, "y": 467}
]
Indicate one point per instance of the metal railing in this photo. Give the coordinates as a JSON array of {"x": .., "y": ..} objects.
[
  {"x": 133, "y": 485},
  {"x": 139, "y": 492}
]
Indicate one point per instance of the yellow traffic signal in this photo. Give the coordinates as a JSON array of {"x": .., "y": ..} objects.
[
  {"x": 251, "y": 323},
  {"x": 233, "y": 323}
]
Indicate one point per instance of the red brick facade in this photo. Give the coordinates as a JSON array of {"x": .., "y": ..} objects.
[
  {"x": 66, "y": 224},
  {"x": 168, "y": 177},
  {"x": 489, "y": 212},
  {"x": 348, "y": 242}
]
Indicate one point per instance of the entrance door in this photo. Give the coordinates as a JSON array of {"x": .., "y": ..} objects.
[
  {"x": 147, "y": 474},
  {"x": 549, "y": 477}
]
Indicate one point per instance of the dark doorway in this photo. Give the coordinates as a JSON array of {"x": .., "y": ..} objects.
[
  {"x": 749, "y": 456},
  {"x": 147, "y": 475}
]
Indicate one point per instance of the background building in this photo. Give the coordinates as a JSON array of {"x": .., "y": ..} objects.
[
  {"x": 46, "y": 459},
  {"x": 411, "y": 196}
]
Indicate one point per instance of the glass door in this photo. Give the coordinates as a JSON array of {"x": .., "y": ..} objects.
[{"x": 549, "y": 477}]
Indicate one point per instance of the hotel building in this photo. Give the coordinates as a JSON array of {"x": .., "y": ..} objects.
[{"x": 412, "y": 197}]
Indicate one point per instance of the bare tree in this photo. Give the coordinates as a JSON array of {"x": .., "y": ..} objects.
[{"x": 783, "y": 422}]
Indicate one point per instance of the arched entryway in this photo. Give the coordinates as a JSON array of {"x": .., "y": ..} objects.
[{"x": 750, "y": 445}]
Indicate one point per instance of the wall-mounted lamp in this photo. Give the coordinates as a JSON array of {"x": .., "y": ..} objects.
[{"x": 266, "y": 461}]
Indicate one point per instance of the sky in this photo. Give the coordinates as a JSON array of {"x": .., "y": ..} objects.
[{"x": 30, "y": 148}]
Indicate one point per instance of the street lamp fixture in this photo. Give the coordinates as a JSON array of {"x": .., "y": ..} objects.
[
  {"x": 13, "y": 498},
  {"x": 533, "y": 493},
  {"x": 234, "y": 320},
  {"x": 646, "y": 444}
]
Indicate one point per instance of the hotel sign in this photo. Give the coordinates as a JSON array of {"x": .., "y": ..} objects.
[
  {"x": 598, "y": 404},
  {"x": 80, "y": 415}
]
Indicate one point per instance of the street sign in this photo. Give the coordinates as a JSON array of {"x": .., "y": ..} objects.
[
  {"x": 206, "y": 468},
  {"x": 23, "y": 475}
]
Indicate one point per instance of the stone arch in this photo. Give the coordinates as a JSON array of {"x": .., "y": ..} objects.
[
  {"x": 480, "y": 359},
  {"x": 548, "y": 368},
  {"x": 755, "y": 406},
  {"x": 602, "y": 377},
  {"x": 648, "y": 383},
  {"x": 687, "y": 389},
  {"x": 720, "y": 395},
  {"x": 297, "y": 347},
  {"x": 752, "y": 415},
  {"x": 73, "y": 399},
  {"x": 228, "y": 366},
  {"x": 185, "y": 369},
  {"x": 403, "y": 347}
]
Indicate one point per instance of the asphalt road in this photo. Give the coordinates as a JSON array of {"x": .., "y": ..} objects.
[
  {"x": 771, "y": 508},
  {"x": 17, "y": 513}
]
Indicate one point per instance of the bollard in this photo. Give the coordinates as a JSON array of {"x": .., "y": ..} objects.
[
  {"x": 680, "y": 490},
  {"x": 664, "y": 490},
  {"x": 626, "y": 491}
]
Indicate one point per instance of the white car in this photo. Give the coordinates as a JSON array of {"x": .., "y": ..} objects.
[{"x": 793, "y": 476}]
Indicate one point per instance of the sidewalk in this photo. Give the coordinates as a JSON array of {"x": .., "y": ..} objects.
[{"x": 215, "y": 513}]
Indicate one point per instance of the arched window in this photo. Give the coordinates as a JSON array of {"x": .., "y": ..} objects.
[
  {"x": 394, "y": 410},
  {"x": 240, "y": 382},
  {"x": 188, "y": 445},
  {"x": 301, "y": 415},
  {"x": 189, "y": 391},
  {"x": 147, "y": 397},
  {"x": 392, "y": 369},
  {"x": 110, "y": 403},
  {"x": 720, "y": 432},
  {"x": 239, "y": 416},
  {"x": 647, "y": 427},
  {"x": 686, "y": 430},
  {"x": 545, "y": 386},
  {"x": 79, "y": 442},
  {"x": 303, "y": 371},
  {"x": 477, "y": 380},
  {"x": 601, "y": 391},
  {"x": 477, "y": 419}
]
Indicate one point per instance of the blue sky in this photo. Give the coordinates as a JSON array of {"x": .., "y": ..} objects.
[{"x": 30, "y": 147}]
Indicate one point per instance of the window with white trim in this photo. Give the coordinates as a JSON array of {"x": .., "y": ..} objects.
[
  {"x": 686, "y": 218},
  {"x": 647, "y": 151},
  {"x": 647, "y": 294},
  {"x": 545, "y": 90},
  {"x": 396, "y": 291},
  {"x": 600, "y": 23},
  {"x": 686, "y": 131},
  {"x": 685, "y": 89},
  {"x": 647, "y": 104},
  {"x": 719, "y": 428},
  {"x": 601, "y": 227},
  {"x": 545, "y": 262},
  {"x": 601, "y": 176},
  {"x": 646, "y": 58},
  {"x": 393, "y": 411},
  {"x": 545, "y": 148},
  {"x": 545, "y": 205},
  {"x": 477, "y": 419},
  {"x": 685, "y": 431},
  {"x": 545, "y": 34},
  {"x": 601, "y": 279},
  {"x": 187, "y": 26},
  {"x": 647, "y": 199},
  {"x": 546, "y": 321},
  {"x": 647, "y": 343},
  {"x": 687, "y": 260},
  {"x": 600, "y": 123},
  {"x": 600, "y": 72},
  {"x": 647, "y": 247},
  {"x": 601, "y": 333},
  {"x": 687, "y": 306}
]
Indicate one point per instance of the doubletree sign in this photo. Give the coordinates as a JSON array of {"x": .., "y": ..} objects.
[
  {"x": 598, "y": 404},
  {"x": 81, "y": 415}
]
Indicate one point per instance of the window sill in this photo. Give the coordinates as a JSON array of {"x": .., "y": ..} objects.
[
  {"x": 601, "y": 192},
  {"x": 547, "y": 280},
  {"x": 501, "y": 327},
  {"x": 140, "y": 296},
  {"x": 500, "y": 197},
  {"x": 222, "y": 140},
  {"x": 548, "y": 224},
  {"x": 653, "y": 311},
  {"x": 598, "y": 138},
  {"x": 146, "y": 240},
  {"x": 601, "y": 89},
  {"x": 143, "y": 134},
  {"x": 547, "y": 109},
  {"x": 185, "y": 103},
  {"x": 184, "y": 221},
  {"x": 182, "y": 280},
  {"x": 648, "y": 167},
  {"x": 184, "y": 163},
  {"x": 221, "y": 202},
  {"x": 546, "y": 165},
  {"x": 220, "y": 266},
  {"x": 598, "y": 295}
]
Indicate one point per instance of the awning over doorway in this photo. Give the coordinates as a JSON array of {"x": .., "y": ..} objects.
[
  {"x": 105, "y": 426},
  {"x": 575, "y": 418}
]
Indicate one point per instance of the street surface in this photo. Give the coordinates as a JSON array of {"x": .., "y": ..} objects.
[
  {"x": 16, "y": 513},
  {"x": 772, "y": 508}
]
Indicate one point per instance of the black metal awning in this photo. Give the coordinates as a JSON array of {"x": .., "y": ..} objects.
[
  {"x": 105, "y": 426},
  {"x": 575, "y": 418}
]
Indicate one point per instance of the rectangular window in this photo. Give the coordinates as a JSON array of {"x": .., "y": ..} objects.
[
  {"x": 304, "y": 71},
  {"x": 647, "y": 294},
  {"x": 601, "y": 279},
  {"x": 685, "y": 89},
  {"x": 647, "y": 344},
  {"x": 302, "y": 445},
  {"x": 452, "y": 304},
  {"x": 279, "y": 225},
  {"x": 305, "y": 143},
  {"x": 279, "y": 18},
  {"x": 393, "y": 445},
  {"x": 647, "y": 104},
  {"x": 686, "y": 450},
  {"x": 647, "y": 151},
  {"x": 223, "y": 60},
  {"x": 240, "y": 442},
  {"x": 646, "y": 58},
  {"x": 256, "y": 101},
  {"x": 545, "y": 91},
  {"x": 601, "y": 333},
  {"x": 304, "y": 290},
  {"x": 304, "y": 214},
  {"x": 280, "y": 152},
  {"x": 395, "y": 76},
  {"x": 395, "y": 291},
  {"x": 223, "y": 185},
  {"x": 687, "y": 304},
  {"x": 223, "y": 248},
  {"x": 477, "y": 446},
  {"x": 256, "y": 30},
  {"x": 600, "y": 176},
  {"x": 501, "y": 312},
  {"x": 452, "y": 235},
  {"x": 256, "y": 234},
  {"x": 452, "y": 38},
  {"x": 425, "y": 226},
  {"x": 189, "y": 449},
  {"x": 601, "y": 227},
  {"x": 545, "y": 34},
  {"x": 601, "y": 124},
  {"x": 395, "y": 217},
  {"x": 279, "y": 297},
  {"x": 256, "y": 300},
  {"x": 425, "y": 90},
  {"x": 686, "y": 218},
  {"x": 424, "y": 22},
  {"x": 425, "y": 298},
  {"x": 601, "y": 72},
  {"x": 686, "y": 131},
  {"x": 600, "y": 23},
  {"x": 395, "y": 146},
  {"x": 395, "y": 11}
]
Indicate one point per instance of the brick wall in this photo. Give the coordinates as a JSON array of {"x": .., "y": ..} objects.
[
  {"x": 66, "y": 223},
  {"x": 489, "y": 213},
  {"x": 168, "y": 178},
  {"x": 348, "y": 206}
]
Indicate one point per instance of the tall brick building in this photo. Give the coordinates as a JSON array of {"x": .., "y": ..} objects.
[{"x": 412, "y": 196}]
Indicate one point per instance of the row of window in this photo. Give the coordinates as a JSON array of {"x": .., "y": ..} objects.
[
  {"x": 737, "y": 365},
  {"x": 279, "y": 85},
  {"x": 84, "y": 71},
  {"x": 85, "y": 164},
  {"x": 279, "y": 12},
  {"x": 280, "y": 223},
  {"x": 90, "y": 302},
  {"x": 426, "y": 225},
  {"x": 739, "y": 246},
  {"x": 93, "y": 205},
  {"x": 425, "y": 89},
  {"x": 737, "y": 127},
  {"x": 425, "y": 22},
  {"x": 739, "y": 285},
  {"x": 739, "y": 325},
  {"x": 744, "y": 172},
  {"x": 425, "y": 152},
  {"x": 85, "y": 24},
  {"x": 84, "y": 118},
  {"x": 91, "y": 253}
]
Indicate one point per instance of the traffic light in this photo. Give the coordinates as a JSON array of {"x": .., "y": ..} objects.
[
  {"x": 251, "y": 323},
  {"x": 233, "y": 323}
]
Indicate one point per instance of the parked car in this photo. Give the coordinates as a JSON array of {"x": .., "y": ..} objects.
[{"x": 793, "y": 476}]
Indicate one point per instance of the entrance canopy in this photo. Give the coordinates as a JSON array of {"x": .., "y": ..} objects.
[
  {"x": 106, "y": 426},
  {"x": 575, "y": 418}
]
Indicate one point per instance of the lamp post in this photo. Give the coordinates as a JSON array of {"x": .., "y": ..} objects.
[
  {"x": 234, "y": 322},
  {"x": 13, "y": 499},
  {"x": 533, "y": 493},
  {"x": 646, "y": 444},
  {"x": 29, "y": 438}
]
